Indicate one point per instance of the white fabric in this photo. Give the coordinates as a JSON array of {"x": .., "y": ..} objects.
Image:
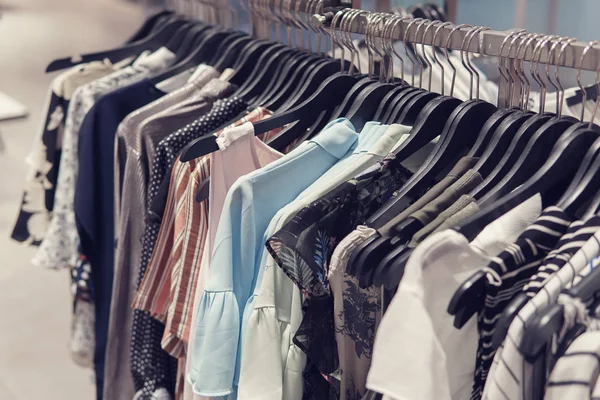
[
  {"x": 575, "y": 374},
  {"x": 418, "y": 353},
  {"x": 513, "y": 383},
  {"x": 175, "y": 82},
  {"x": 271, "y": 364}
]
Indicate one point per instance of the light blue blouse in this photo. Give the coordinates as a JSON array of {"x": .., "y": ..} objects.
[{"x": 249, "y": 206}]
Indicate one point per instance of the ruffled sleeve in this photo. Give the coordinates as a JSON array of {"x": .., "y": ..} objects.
[
  {"x": 228, "y": 287},
  {"x": 272, "y": 365},
  {"x": 216, "y": 343}
]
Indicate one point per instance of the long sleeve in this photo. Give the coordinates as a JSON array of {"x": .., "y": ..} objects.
[{"x": 235, "y": 264}]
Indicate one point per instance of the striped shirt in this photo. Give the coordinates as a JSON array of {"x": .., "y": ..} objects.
[
  {"x": 152, "y": 368},
  {"x": 578, "y": 233},
  {"x": 168, "y": 286},
  {"x": 515, "y": 266},
  {"x": 510, "y": 372},
  {"x": 576, "y": 372}
]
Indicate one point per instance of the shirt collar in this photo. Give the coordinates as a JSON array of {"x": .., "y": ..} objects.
[
  {"x": 337, "y": 137},
  {"x": 161, "y": 58}
]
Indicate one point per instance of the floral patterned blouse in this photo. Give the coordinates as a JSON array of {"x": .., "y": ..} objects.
[
  {"x": 38, "y": 195},
  {"x": 60, "y": 246},
  {"x": 303, "y": 249}
]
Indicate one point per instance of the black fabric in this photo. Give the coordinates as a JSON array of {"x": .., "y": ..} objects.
[
  {"x": 303, "y": 249},
  {"x": 46, "y": 177},
  {"x": 94, "y": 198}
]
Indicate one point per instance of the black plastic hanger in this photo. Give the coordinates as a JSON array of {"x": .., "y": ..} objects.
[
  {"x": 351, "y": 97},
  {"x": 466, "y": 117},
  {"x": 322, "y": 71},
  {"x": 585, "y": 183},
  {"x": 467, "y": 295},
  {"x": 190, "y": 41},
  {"x": 283, "y": 75},
  {"x": 385, "y": 107},
  {"x": 548, "y": 321},
  {"x": 328, "y": 95},
  {"x": 407, "y": 228},
  {"x": 429, "y": 124},
  {"x": 248, "y": 66},
  {"x": 496, "y": 165},
  {"x": 409, "y": 107},
  {"x": 206, "y": 49},
  {"x": 365, "y": 105},
  {"x": 488, "y": 133},
  {"x": 297, "y": 78},
  {"x": 506, "y": 318},
  {"x": 151, "y": 43},
  {"x": 149, "y": 25},
  {"x": 379, "y": 273},
  {"x": 559, "y": 164},
  {"x": 470, "y": 291},
  {"x": 323, "y": 100},
  {"x": 234, "y": 50},
  {"x": 257, "y": 83},
  {"x": 531, "y": 158},
  {"x": 511, "y": 136},
  {"x": 470, "y": 117},
  {"x": 176, "y": 42}
]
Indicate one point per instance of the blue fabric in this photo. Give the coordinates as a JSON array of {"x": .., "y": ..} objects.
[
  {"x": 94, "y": 198},
  {"x": 249, "y": 206}
]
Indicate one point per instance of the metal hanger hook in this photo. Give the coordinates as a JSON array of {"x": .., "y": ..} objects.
[
  {"x": 420, "y": 58},
  {"x": 501, "y": 60},
  {"x": 438, "y": 62},
  {"x": 535, "y": 72},
  {"x": 462, "y": 59},
  {"x": 583, "y": 92},
  {"x": 532, "y": 39},
  {"x": 398, "y": 23},
  {"x": 512, "y": 66},
  {"x": 456, "y": 28},
  {"x": 347, "y": 29},
  {"x": 334, "y": 39},
  {"x": 472, "y": 67},
  {"x": 561, "y": 55},
  {"x": 425, "y": 57},
  {"x": 388, "y": 46},
  {"x": 405, "y": 38},
  {"x": 552, "y": 61}
]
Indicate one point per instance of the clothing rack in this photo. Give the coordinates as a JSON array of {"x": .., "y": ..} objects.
[{"x": 489, "y": 43}]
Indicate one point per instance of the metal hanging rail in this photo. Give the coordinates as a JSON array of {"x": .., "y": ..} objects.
[{"x": 489, "y": 43}]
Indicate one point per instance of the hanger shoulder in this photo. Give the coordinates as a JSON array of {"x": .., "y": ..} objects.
[
  {"x": 149, "y": 25},
  {"x": 540, "y": 330},
  {"x": 558, "y": 166},
  {"x": 152, "y": 43}
]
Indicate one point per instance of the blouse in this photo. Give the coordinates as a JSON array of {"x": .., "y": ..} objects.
[
  {"x": 249, "y": 206},
  {"x": 276, "y": 301},
  {"x": 44, "y": 159},
  {"x": 303, "y": 249},
  {"x": 60, "y": 246}
]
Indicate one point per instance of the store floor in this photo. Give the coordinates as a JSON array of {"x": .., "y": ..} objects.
[{"x": 34, "y": 303}]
